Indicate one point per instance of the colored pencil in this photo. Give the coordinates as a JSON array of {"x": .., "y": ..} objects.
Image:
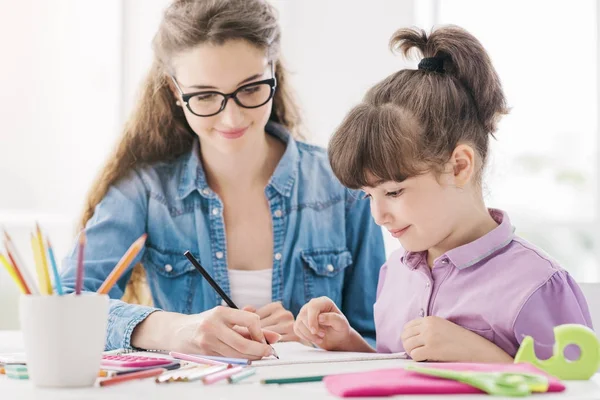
[
  {"x": 122, "y": 265},
  {"x": 57, "y": 281},
  {"x": 227, "y": 360},
  {"x": 284, "y": 381},
  {"x": 200, "y": 373},
  {"x": 195, "y": 359},
  {"x": 249, "y": 371},
  {"x": 216, "y": 377},
  {"x": 16, "y": 260},
  {"x": 13, "y": 274},
  {"x": 43, "y": 258},
  {"x": 149, "y": 373},
  {"x": 42, "y": 279},
  {"x": 79, "y": 272},
  {"x": 217, "y": 288}
]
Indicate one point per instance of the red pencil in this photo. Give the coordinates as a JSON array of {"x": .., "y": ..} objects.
[
  {"x": 19, "y": 275},
  {"x": 79, "y": 275},
  {"x": 134, "y": 375}
]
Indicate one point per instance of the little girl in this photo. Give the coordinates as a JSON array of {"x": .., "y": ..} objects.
[{"x": 464, "y": 287}]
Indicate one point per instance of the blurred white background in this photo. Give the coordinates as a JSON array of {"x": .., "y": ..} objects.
[{"x": 71, "y": 69}]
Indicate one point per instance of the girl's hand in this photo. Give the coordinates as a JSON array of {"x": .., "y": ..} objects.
[
  {"x": 274, "y": 317},
  {"x": 322, "y": 323},
  {"x": 437, "y": 339}
]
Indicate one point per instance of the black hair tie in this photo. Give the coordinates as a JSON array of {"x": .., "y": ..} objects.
[{"x": 433, "y": 64}]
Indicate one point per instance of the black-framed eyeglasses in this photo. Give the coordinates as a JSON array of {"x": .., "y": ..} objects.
[{"x": 210, "y": 102}]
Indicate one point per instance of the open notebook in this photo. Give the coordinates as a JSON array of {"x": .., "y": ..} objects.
[{"x": 297, "y": 353}]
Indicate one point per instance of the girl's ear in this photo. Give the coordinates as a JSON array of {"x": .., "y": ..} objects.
[{"x": 463, "y": 165}]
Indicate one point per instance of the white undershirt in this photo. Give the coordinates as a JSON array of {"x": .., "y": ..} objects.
[{"x": 250, "y": 288}]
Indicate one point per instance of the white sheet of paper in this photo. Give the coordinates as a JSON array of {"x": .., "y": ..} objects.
[{"x": 297, "y": 353}]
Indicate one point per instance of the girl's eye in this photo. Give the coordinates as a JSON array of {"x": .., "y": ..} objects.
[{"x": 395, "y": 193}]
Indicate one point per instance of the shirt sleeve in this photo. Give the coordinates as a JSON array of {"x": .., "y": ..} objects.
[
  {"x": 365, "y": 242},
  {"x": 559, "y": 301},
  {"x": 119, "y": 219}
]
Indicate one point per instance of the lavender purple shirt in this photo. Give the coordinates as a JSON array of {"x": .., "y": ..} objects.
[{"x": 499, "y": 286}]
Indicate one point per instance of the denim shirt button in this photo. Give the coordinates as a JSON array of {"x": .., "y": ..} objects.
[
  {"x": 330, "y": 268},
  {"x": 206, "y": 192},
  {"x": 215, "y": 211},
  {"x": 168, "y": 268},
  {"x": 278, "y": 256},
  {"x": 278, "y": 213},
  {"x": 219, "y": 254}
]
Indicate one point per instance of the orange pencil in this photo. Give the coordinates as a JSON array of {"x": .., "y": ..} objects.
[
  {"x": 17, "y": 261},
  {"x": 13, "y": 274},
  {"x": 134, "y": 375},
  {"x": 122, "y": 265},
  {"x": 43, "y": 259}
]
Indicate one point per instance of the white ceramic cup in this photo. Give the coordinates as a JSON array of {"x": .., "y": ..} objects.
[{"x": 64, "y": 338}]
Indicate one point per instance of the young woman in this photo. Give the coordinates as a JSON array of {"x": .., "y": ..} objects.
[{"x": 209, "y": 163}]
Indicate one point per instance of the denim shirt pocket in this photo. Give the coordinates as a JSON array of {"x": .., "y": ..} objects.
[
  {"x": 170, "y": 276},
  {"x": 324, "y": 272}
]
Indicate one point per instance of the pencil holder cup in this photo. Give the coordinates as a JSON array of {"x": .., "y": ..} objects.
[{"x": 64, "y": 338}]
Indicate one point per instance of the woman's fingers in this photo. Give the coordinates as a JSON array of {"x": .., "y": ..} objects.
[{"x": 249, "y": 348}]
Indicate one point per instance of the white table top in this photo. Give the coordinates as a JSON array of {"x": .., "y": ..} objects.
[{"x": 10, "y": 341}]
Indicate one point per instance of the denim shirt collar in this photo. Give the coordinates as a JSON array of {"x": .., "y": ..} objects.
[{"x": 193, "y": 176}]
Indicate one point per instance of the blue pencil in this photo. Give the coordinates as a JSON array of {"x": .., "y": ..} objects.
[
  {"x": 237, "y": 361},
  {"x": 57, "y": 281}
]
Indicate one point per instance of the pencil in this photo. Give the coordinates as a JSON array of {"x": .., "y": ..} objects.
[
  {"x": 228, "y": 360},
  {"x": 57, "y": 281},
  {"x": 42, "y": 277},
  {"x": 195, "y": 359},
  {"x": 43, "y": 259},
  {"x": 79, "y": 272},
  {"x": 13, "y": 274},
  {"x": 284, "y": 381},
  {"x": 20, "y": 274},
  {"x": 16, "y": 260},
  {"x": 217, "y": 288},
  {"x": 216, "y": 377},
  {"x": 122, "y": 265},
  {"x": 134, "y": 375},
  {"x": 249, "y": 371}
]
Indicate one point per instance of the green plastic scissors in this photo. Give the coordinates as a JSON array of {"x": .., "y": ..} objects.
[{"x": 513, "y": 384}]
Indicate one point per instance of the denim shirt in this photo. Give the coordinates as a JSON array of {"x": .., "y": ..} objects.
[{"x": 325, "y": 241}]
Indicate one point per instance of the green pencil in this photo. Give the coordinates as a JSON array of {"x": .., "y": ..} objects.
[{"x": 301, "y": 379}]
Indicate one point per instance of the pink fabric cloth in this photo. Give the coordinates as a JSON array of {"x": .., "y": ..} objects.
[{"x": 388, "y": 382}]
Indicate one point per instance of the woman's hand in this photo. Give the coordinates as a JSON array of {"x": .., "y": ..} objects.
[
  {"x": 221, "y": 331},
  {"x": 437, "y": 339},
  {"x": 274, "y": 317}
]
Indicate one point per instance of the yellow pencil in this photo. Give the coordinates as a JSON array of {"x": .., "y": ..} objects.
[
  {"x": 35, "y": 245},
  {"x": 43, "y": 258},
  {"x": 13, "y": 274}
]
